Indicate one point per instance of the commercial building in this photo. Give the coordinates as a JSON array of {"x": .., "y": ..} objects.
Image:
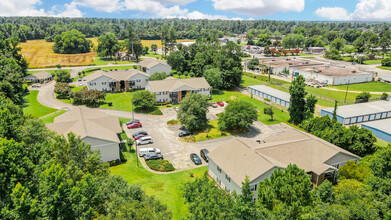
[
  {"x": 275, "y": 95},
  {"x": 316, "y": 50},
  {"x": 40, "y": 77},
  {"x": 94, "y": 127},
  {"x": 230, "y": 163},
  {"x": 381, "y": 128},
  {"x": 152, "y": 66},
  {"x": 361, "y": 112},
  {"x": 117, "y": 80},
  {"x": 174, "y": 90},
  {"x": 279, "y": 65}
]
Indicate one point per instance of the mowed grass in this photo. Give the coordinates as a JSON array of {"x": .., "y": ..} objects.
[
  {"x": 369, "y": 62},
  {"x": 159, "y": 42},
  {"x": 214, "y": 132},
  {"x": 49, "y": 71},
  {"x": 33, "y": 107},
  {"x": 120, "y": 101},
  {"x": 167, "y": 188},
  {"x": 279, "y": 115},
  {"x": 50, "y": 118},
  {"x": 367, "y": 87},
  {"x": 384, "y": 67}
]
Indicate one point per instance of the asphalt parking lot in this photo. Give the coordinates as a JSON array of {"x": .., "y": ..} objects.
[{"x": 178, "y": 152}]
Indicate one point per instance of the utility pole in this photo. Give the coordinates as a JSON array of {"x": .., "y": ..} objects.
[
  {"x": 269, "y": 70},
  {"x": 347, "y": 89}
]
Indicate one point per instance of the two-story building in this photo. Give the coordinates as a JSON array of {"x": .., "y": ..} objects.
[
  {"x": 117, "y": 80},
  {"x": 174, "y": 90},
  {"x": 152, "y": 66},
  {"x": 230, "y": 163}
]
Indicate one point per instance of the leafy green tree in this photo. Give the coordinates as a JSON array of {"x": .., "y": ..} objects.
[
  {"x": 24, "y": 206},
  {"x": 108, "y": 45},
  {"x": 293, "y": 41},
  {"x": 238, "y": 115},
  {"x": 154, "y": 48},
  {"x": 314, "y": 41},
  {"x": 360, "y": 44},
  {"x": 326, "y": 192},
  {"x": 386, "y": 62},
  {"x": 158, "y": 76},
  {"x": 385, "y": 41},
  {"x": 144, "y": 99},
  {"x": 333, "y": 54},
  {"x": 178, "y": 61},
  {"x": 62, "y": 89},
  {"x": 88, "y": 97},
  {"x": 71, "y": 42},
  {"x": 332, "y": 35},
  {"x": 363, "y": 97},
  {"x": 245, "y": 202},
  {"x": 338, "y": 44},
  {"x": 213, "y": 77},
  {"x": 300, "y": 30},
  {"x": 297, "y": 106},
  {"x": 165, "y": 38},
  {"x": 62, "y": 76},
  {"x": 362, "y": 59},
  {"x": 264, "y": 40},
  {"x": 310, "y": 104},
  {"x": 353, "y": 170},
  {"x": 269, "y": 111},
  {"x": 192, "y": 112},
  {"x": 253, "y": 63}
]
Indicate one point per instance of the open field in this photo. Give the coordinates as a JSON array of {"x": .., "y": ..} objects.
[
  {"x": 367, "y": 87},
  {"x": 33, "y": 107}
]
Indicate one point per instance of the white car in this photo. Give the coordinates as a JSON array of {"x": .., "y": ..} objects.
[
  {"x": 144, "y": 140},
  {"x": 80, "y": 84},
  {"x": 143, "y": 151}
]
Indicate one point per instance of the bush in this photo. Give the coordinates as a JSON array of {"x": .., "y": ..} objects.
[
  {"x": 386, "y": 62},
  {"x": 121, "y": 156},
  {"x": 88, "y": 97},
  {"x": 110, "y": 103},
  {"x": 266, "y": 99},
  {"x": 173, "y": 122},
  {"x": 160, "y": 165},
  {"x": 384, "y": 96},
  {"x": 157, "y": 112},
  {"x": 363, "y": 97}
]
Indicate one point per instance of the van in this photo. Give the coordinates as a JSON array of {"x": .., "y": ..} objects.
[
  {"x": 143, "y": 151},
  {"x": 144, "y": 140}
]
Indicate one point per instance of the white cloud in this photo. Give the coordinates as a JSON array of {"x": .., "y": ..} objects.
[
  {"x": 175, "y": 2},
  {"x": 200, "y": 15},
  {"x": 154, "y": 7},
  {"x": 71, "y": 10},
  {"x": 100, "y": 5},
  {"x": 30, "y": 8},
  {"x": 259, "y": 7},
  {"x": 333, "y": 13}
]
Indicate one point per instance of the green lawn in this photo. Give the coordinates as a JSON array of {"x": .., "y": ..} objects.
[
  {"x": 308, "y": 57},
  {"x": 214, "y": 132},
  {"x": 368, "y": 62},
  {"x": 49, "y": 71},
  {"x": 279, "y": 115},
  {"x": 117, "y": 67},
  {"x": 104, "y": 61},
  {"x": 384, "y": 67},
  {"x": 153, "y": 55},
  {"x": 121, "y": 101},
  {"x": 50, "y": 118},
  {"x": 167, "y": 188},
  {"x": 33, "y": 107},
  {"x": 367, "y": 87}
]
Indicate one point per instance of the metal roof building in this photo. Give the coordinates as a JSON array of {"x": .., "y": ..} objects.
[
  {"x": 275, "y": 95},
  {"x": 381, "y": 128},
  {"x": 362, "y": 112}
]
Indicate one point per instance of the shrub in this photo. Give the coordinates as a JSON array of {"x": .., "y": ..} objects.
[
  {"x": 363, "y": 97},
  {"x": 188, "y": 139},
  {"x": 386, "y": 62},
  {"x": 191, "y": 174},
  {"x": 157, "y": 112},
  {"x": 160, "y": 165},
  {"x": 384, "y": 96},
  {"x": 123, "y": 159},
  {"x": 266, "y": 99},
  {"x": 110, "y": 103},
  {"x": 173, "y": 122},
  {"x": 88, "y": 97}
]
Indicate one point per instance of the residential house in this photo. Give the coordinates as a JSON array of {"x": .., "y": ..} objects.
[
  {"x": 174, "y": 90},
  {"x": 152, "y": 66},
  {"x": 117, "y": 80},
  {"x": 230, "y": 163},
  {"x": 123, "y": 56},
  {"x": 40, "y": 77},
  {"x": 94, "y": 127}
]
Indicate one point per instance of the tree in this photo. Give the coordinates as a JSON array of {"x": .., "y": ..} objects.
[
  {"x": 314, "y": 41},
  {"x": 384, "y": 96},
  {"x": 63, "y": 76},
  {"x": 154, "y": 48},
  {"x": 333, "y": 54},
  {"x": 338, "y": 44},
  {"x": 158, "y": 76},
  {"x": 108, "y": 45},
  {"x": 245, "y": 202},
  {"x": 264, "y": 40},
  {"x": 363, "y": 97},
  {"x": 293, "y": 41},
  {"x": 385, "y": 41},
  {"x": 269, "y": 111},
  {"x": 335, "y": 117},
  {"x": 300, "y": 30},
  {"x": 88, "y": 97},
  {"x": 253, "y": 63},
  {"x": 171, "y": 40},
  {"x": 332, "y": 35},
  {"x": 165, "y": 38},
  {"x": 177, "y": 61},
  {"x": 353, "y": 170},
  {"x": 360, "y": 44},
  {"x": 362, "y": 59},
  {"x": 267, "y": 51},
  {"x": 326, "y": 192},
  {"x": 238, "y": 115},
  {"x": 310, "y": 104},
  {"x": 144, "y": 99},
  {"x": 62, "y": 89},
  {"x": 192, "y": 112},
  {"x": 386, "y": 62},
  {"x": 71, "y": 42},
  {"x": 213, "y": 77},
  {"x": 297, "y": 106}
]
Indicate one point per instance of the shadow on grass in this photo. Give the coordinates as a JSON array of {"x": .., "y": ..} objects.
[{"x": 151, "y": 111}]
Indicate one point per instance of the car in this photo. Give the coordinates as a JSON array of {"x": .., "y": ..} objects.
[
  {"x": 204, "y": 154},
  {"x": 143, "y": 151},
  {"x": 132, "y": 121},
  {"x": 80, "y": 84},
  {"x": 213, "y": 104},
  {"x": 196, "y": 160},
  {"x": 153, "y": 156},
  {"x": 138, "y": 133},
  {"x": 185, "y": 133},
  {"x": 36, "y": 86},
  {"x": 135, "y": 125},
  {"x": 176, "y": 108},
  {"x": 79, "y": 79},
  {"x": 138, "y": 136},
  {"x": 144, "y": 140},
  {"x": 221, "y": 104}
]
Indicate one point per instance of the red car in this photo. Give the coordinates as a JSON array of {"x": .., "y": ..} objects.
[
  {"x": 135, "y": 125},
  {"x": 221, "y": 104},
  {"x": 138, "y": 136}
]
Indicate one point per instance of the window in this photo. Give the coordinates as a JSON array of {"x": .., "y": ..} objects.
[
  {"x": 253, "y": 187},
  {"x": 228, "y": 178},
  {"x": 146, "y": 80},
  {"x": 103, "y": 83},
  {"x": 92, "y": 83},
  {"x": 218, "y": 181},
  {"x": 158, "y": 93},
  {"x": 138, "y": 80},
  {"x": 219, "y": 169}
]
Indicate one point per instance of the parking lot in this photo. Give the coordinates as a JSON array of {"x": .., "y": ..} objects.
[{"x": 176, "y": 151}]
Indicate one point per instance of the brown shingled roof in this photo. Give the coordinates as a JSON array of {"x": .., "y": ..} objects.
[
  {"x": 117, "y": 75},
  {"x": 149, "y": 62},
  {"x": 171, "y": 84}
]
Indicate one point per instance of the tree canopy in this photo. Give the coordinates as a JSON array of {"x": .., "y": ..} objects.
[
  {"x": 144, "y": 99},
  {"x": 71, "y": 42},
  {"x": 108, "y": 45},
  {"x": 192, "y": 112},
  {"x": 238, "y": 115}
]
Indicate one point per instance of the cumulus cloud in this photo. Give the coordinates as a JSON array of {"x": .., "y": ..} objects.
[
  {"x": 175, "y": 2},
  {"x": 259, "y": 7},
  {"x": 100, "y": 5},
  {"x": 332, "y": 13},
  {"x": 31, "y": 8}
]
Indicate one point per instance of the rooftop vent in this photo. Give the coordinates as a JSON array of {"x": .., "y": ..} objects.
[
  {"x": 354, "y": 71},
  {"x": 318, "y": 71}
]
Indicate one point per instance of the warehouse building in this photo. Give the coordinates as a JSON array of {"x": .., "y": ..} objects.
[
  {"x": 362, "y": 112},
  {"x": 332, "y": 75},
  {"x": 275, "y": 95},
  {"x": 381, "y": 128},
  {"x": 278, "y": 65}
]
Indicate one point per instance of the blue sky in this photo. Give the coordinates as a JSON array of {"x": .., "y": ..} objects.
[{"x": 309, "y": 10}]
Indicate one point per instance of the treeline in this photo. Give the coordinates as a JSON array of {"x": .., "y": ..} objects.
[{"x": 28, "y": 28}]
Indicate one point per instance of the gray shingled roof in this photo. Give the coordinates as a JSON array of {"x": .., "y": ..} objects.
[
  {"x": 149, "y": 62},
  {"x": 117, "y": 75},
  {"x": 40, "y": 75}
]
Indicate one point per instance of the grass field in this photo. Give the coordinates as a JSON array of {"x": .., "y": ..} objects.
[
  {"x": 50, "y": 118},
  {"x": 367, "y": 87},
  {"x": 49, "y": 71},
  {"x": 384, "y": 67},
  {"x": 33, "y": 107},
  {"x": 368, "y": 62},
  {"x": 167, "y": 188},
  {"x": 214, "y": 132}
]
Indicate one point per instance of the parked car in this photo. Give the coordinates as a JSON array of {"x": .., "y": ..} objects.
[
  {"x": 79, "y": 79},
  {"x": 176, "y": 108},
  {"x": 36, "y": 86},
  {"x": 185, "y": 133},
  {"x": 204, "y": 154},
  {"x": 213, "y": 104},
  {"x": 221, "y": 104},
  {"x": 132, "y": 121},
  {"x": 153, "y": 156},
  {"x": 196, "y": 160},
  {"x": 144, "y": 140},
  {"x": 80, "y": 84},
  {"x": 138, "y": 133},
  {"x": 135, "y": 125},
  {"x": 139, "y": 136},
  {"x": 143, "y": 151}
]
